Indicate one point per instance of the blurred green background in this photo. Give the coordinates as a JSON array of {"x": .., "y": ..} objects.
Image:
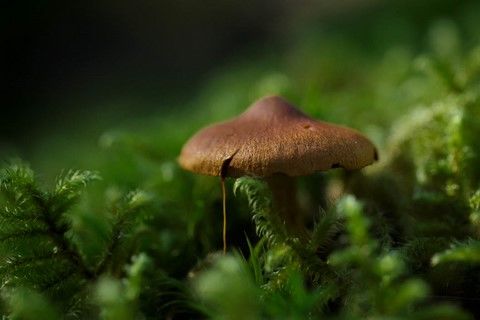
[{"x": 73, "y": 71}]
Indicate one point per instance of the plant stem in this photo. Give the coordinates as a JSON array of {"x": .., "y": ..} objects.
[{"x": 224, "y": 205}]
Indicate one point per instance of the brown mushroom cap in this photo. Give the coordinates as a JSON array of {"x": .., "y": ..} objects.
[{"x": 272, "y": 136}]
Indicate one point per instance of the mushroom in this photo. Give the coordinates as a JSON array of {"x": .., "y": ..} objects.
[{"x": 275, "y": 141}]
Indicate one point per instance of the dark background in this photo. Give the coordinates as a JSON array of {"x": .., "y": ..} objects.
[{"x": 107, "y": 61}]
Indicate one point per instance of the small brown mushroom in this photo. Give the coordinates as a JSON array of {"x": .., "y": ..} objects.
[{"x": 274, "y": 140}]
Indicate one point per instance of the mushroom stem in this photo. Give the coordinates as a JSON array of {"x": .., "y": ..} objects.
[{"x": 284, "y": 192}]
